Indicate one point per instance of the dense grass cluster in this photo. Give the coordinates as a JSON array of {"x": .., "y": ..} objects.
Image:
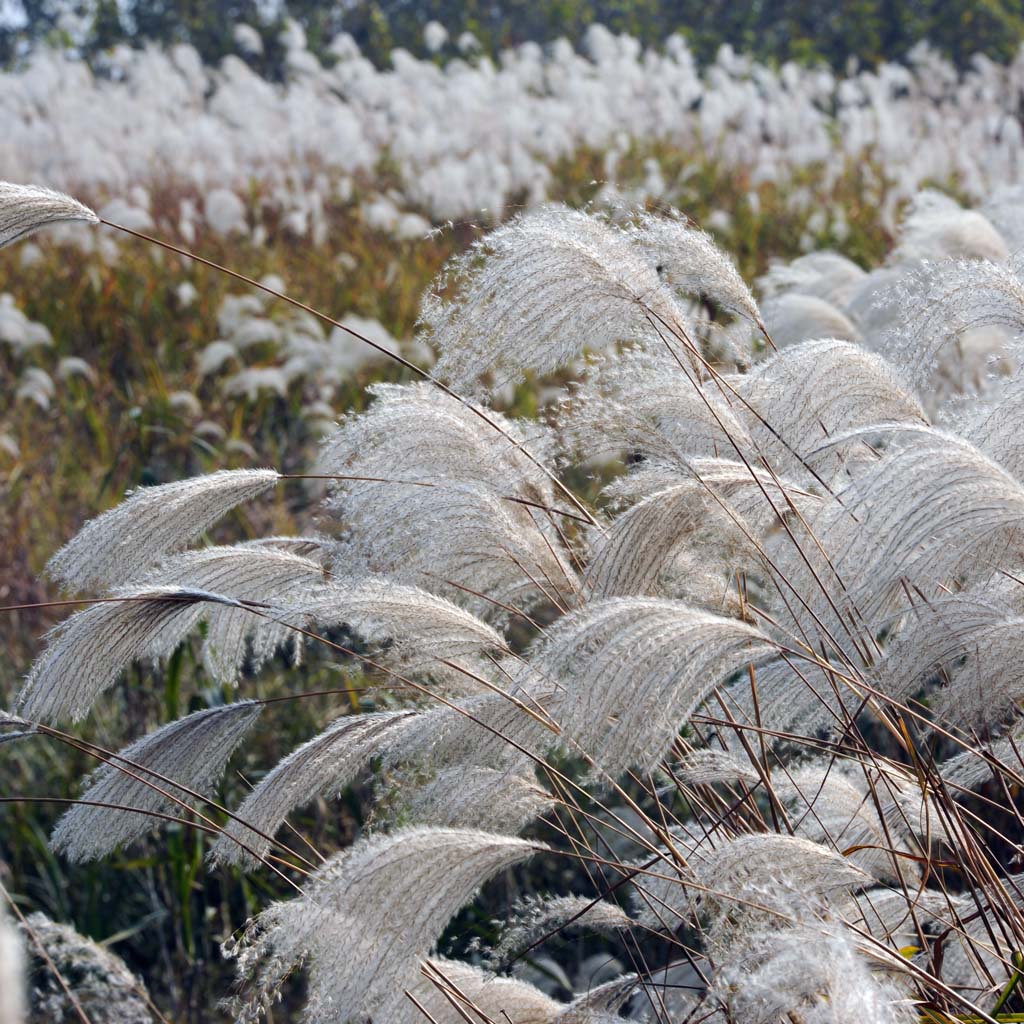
[{"x": 700, "y": 574}]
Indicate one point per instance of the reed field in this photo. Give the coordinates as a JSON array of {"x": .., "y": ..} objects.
[{"x": 530, "y": 537}]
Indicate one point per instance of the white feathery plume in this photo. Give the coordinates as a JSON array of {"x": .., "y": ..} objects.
[
  {"x": 102, "y": 986},
  {"x": 806, "y": 393},
  {"x": 709, "y": 766},
  {"x": 191, "y": 752},
  {"x": 464, "y": 534},
  {"x": 634, "y": 669},
  {"x": 20, "y": 727},
  {"x": 27, "y": 208},
  {"x": 535, "y": 291},
  {"x": 887, "y": 915},
  {"x": 936, "y": 226},
  {"x": 384, "y": 902},
  {"x": 151, "y": 522},
  {"x": 980, "y": 930},
  {"x": 535, "y": 917},
  {"x": 637, "y": 401},
  {"x": 12, "y": 979},
  {"x": 263, "y": 574},
  {"x": 322, "y": 766},
  {"x": 970, "y": 770},
  {"x": 419, "y": 626},
  {"x": 88, "y": 651},
  {"x": 452, "y": 991},
  {"x": 488, "y": 799},
  {"x": 438, "y": 509},
  {"x": 923, "y": 513},
  {"x": 600, "y": 1005},
  {"x": 689, "y": 260},
  {"x": 825, "y": 275},
  {"x": 812, "y": 973},
  {"x": 994, "y": 425},
  {"x": 793, "y": 318},
  {"x": 833, "y": 805},
  {"x": 941, "y": 301},
  {"x": 766, "y": 880},
  {"x": 304, "y": 547},
  {"x": 970, "y": 642},
  {"x": 718, "y": 514},
  {"x": 452, "y": 444}
]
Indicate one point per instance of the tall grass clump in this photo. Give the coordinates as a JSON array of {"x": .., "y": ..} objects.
[{"x": 725, "y": 639}]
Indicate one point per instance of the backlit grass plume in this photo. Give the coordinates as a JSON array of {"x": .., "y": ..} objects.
[
  {"x": 25, "y": 209},
  {"x": 707, "y": 659}
]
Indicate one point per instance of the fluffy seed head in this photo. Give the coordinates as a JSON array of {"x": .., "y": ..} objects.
[
  {"x": 27, "y": 208},
  {"x": 121, "y": 544},
  {"x": 191, "y": 751}
]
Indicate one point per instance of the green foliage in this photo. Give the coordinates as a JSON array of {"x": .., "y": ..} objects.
[{"x": 772, "y": 30}]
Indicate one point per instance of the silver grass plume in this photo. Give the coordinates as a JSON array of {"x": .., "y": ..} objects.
[
  {"x": 980, "y": 947},
  {"x": 420, "y": 627},
  {"x": 992, "y": 422},
  {"x": 440, "y": 509},
  {"x": 191, "y": 752},
  {"x": 102, "y": 985},
  {"x": 689, "y": 260},
  {"x": 88, "y": 651},
  {"x": 600, "y": 1005},
  {"x": 794, "y": 318},
  {"x": 636, "y": 402},
  {"x": 813, "y": 973},
  {"x": 461, "y": 536},
  {"x": 27, "y": 208},
  {"x": 969, "y": 642},
  {"x": 12, "y": 977},
  {"x": 265, "y": 575},
  {"x": 833, "y": 805},
  {"x": 923, "y": 513},
  {"x": 708, "y": 766},
  {"x": 130, "y": 538},
  {"x": 808, "y": 392},
  {"x": 634, "y": 669},
  {"x": 825, "y": 275},
  {"x": 537, "y": 290},
  {"x": 715, "y": 510},
  {"x": 971, "y": 768},
  {"x": 385, "y": 902},
  {"x": 452, "y": 444},
  {"x": 452, "y": 992},
  {"x": 488, "y": 799},
  {"x": 767, "y": 880},
  {"x": 534, "y": 917},
  {"x": 940, "y": 302},
  {"x": 323, "y": 766}
]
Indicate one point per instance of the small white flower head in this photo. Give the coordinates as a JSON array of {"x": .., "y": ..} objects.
[
  {"x": 27, "y": 208},
  {"x": 435, "y": 35}
]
